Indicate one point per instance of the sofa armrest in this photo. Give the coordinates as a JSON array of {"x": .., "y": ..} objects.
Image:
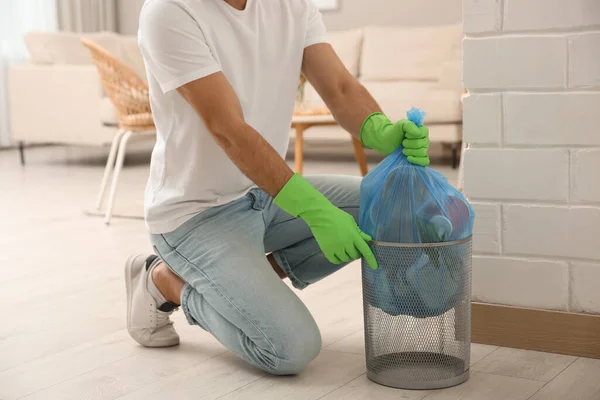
[{"x": 56, "y": 104}]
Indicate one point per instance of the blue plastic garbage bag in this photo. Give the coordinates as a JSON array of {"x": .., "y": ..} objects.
[{"x": 405, "y": 203}]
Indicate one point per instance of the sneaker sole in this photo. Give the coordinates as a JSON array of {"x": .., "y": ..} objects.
[{"x": 128, "y": 281}]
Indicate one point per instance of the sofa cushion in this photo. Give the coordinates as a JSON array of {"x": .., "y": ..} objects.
[
  {"x": 347, "y": 45},
  {"x": 65, "y": 47},
  {"x": 442, "y": 104},
  {"x": 395, "y": 98},
  {"x": 39, "y": 53},
  {"x": 108, "y": 115},
  {"x": 392, "y": 53}
]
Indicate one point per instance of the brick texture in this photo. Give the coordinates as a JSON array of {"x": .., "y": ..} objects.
[
  {"x": 523, "y": 283},
  {"x": 552, "y": 119},
  {"x": 482, "y": 119},
  {"x": 584, "y": 59},
  {"x": 552, "y": 231},
  {"x": 486, "y": 232},
  {"x": 482, "y": 16},
  {"x": 500, "y": 174},
  {"x": 532, "y": 171},
  {"x": 532, "y": 15},
  {"x": 515, "y": 62},
  {"x": 585, "y": 295},
  {"x": 585, "y": 176}
]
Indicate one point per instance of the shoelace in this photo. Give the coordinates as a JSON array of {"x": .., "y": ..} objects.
[{"x": 162, "y": 318}]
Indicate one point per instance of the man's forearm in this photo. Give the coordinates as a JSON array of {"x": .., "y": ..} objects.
[
  {"x": 352, "y": 105},
  {"x": 216, "y": 103},
  {"x": 255, "y": 157},
  {"x": 349, "y": 102}
]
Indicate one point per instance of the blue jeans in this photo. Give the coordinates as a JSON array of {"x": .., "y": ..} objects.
[{"x": 231, "y": 289}]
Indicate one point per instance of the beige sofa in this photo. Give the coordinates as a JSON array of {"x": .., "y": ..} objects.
[
  {"x": 406, "y": 67},
  {"x": 57, "y": 96}
]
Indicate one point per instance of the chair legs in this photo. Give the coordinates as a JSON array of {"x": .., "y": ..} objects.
[
  {"x": 22, "y": 152},
  {"x": 110, "y": 164},
  {"x": 115, "y": 179}
]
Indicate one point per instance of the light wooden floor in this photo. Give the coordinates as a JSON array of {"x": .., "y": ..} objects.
[{"x": 63, "y": 307}]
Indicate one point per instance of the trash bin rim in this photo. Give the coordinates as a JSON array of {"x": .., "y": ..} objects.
[{"x": 422, "y": 245}]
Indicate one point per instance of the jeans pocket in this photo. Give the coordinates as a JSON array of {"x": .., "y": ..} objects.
[{"x": 255, "y": 200}]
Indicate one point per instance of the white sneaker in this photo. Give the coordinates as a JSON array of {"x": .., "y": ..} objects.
[{"x": 147, "y": 323}]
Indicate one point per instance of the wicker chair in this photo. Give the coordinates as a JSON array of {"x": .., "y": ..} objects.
[{"x": 128, "y": 94}]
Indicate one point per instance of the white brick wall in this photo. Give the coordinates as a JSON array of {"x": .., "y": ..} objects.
[
  {"x": 532, "y": 120},
  {"x": 482, "y": 15},
  {"x": 585, "y": 278},
  {"x": 521, "y": 282},
  {"x": 584, "y": 59},
  {"x": 486, "y": 232},
  {"x": 515, "y": 62},
  {"x": 585, "y": 176},
  {"x": 552, "y": 118},
  {"x": 482, "y": 115},
  {"x": 552, "y": 231},
  {"x": 517, "y": 174},
  {"x": 529, "y": 15}
]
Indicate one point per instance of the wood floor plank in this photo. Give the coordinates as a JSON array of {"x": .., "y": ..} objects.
[
  {"x": 580, "y": 381},
  {"x": 526, "y": 364},
  {"x": 327, "y": 373},
  {"x": 207, "y": 381},
  {"x": 29, "y": 346},
  {"x": 362, "y": 388},
  {"x": 51, "y": 370},
  {"x": 482, "y": 386},
  {"x": 354, "y": 343},
  {"x": 132, "y": 373},
  {"x": 480, "y": 351}
]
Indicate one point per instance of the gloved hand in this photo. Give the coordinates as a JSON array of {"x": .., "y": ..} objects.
[
  {"x": 335, "y": 231},
  {"x": 378, "y": 133}
]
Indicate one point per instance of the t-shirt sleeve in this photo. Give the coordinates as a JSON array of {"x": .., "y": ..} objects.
[
  {"x": 173, "y": 45},
  {"x": 315, "y": 32}
]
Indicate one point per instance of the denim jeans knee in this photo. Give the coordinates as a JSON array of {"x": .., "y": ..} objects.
[{"x": 298, "y": 351}]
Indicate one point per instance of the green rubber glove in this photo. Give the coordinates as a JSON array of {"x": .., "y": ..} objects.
[
  {"x": 336, "y": 232},
  {"x": 380, "y": 134}
]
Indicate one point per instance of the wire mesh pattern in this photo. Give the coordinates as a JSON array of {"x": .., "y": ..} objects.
[
  {"x": 127, "y": 92},
  {"x": 417, "y": 310}
]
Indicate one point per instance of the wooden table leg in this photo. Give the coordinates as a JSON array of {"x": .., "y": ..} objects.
[
  {"x": 361, "y": 158},
  {"x": 299, "y": 148}
]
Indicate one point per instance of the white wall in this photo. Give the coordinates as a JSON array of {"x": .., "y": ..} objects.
[
  {"x": 358, "y": 13},
  {"x": 351, "y": 14},
  {"x": 532, "y": 120}
]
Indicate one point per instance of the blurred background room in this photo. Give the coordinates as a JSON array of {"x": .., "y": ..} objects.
[{"x": 76, "y": 136}]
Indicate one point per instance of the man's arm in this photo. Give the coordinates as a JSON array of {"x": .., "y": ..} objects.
[
  {"x": 356, "y": 110},
  {"x": 349, "y": 102},
  {"x": 215, "y": 101},
  {"x": 335, "y": 231}
]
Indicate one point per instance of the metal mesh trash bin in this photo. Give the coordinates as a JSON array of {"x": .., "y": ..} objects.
[{"x": 417, "y": 310}]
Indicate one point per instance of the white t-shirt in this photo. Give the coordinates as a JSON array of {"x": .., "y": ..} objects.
[{"x": 260, "y": 52}]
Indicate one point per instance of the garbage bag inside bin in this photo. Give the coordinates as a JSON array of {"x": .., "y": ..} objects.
[{"x": 408, "y": 204}]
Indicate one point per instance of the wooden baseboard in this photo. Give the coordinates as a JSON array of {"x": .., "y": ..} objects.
[{"x": 541, "y": 330}]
